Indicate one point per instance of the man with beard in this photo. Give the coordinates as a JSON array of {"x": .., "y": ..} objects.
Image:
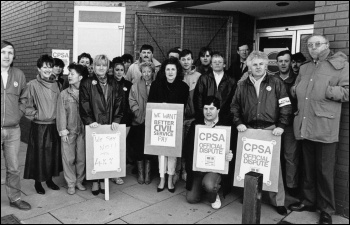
[{"x": 297, "y": 60}]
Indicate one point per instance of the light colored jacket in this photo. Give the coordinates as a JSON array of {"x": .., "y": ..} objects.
[
  {"x": 134, "y": 72},
  {"x": 138, "y": 100},
  {"x": 320, "y": 89}
]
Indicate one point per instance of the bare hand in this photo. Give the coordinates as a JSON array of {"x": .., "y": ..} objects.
[
  {"x": 115, "y": 126},
  {"x": 241, "y": 128},
  {"x": 94, "y": 125},
  {"x": 229, "y": 156},
  {"x": 65, "y": 138},
  {"x": 278, "y": 131}
]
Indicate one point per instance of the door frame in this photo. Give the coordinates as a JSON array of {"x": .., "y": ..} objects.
[{"x": 277, "y": 34}]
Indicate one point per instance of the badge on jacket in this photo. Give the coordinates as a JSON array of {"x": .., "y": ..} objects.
[
  {"x": 94, "y": 82},
  {"x": 268, "y": 88},
  {"x": 15, "y": 84},
  {"x": 125, "y": 89}
]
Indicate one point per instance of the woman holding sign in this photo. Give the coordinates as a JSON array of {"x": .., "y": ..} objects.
[
  {"x": 169, "y": 89},
  {"x": 101, "y": 102}
]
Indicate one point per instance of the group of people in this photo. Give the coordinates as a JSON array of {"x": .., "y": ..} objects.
[{"x": 301, "y": 103}]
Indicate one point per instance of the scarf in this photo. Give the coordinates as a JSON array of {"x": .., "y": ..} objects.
[{"x": 103, "y": 80}]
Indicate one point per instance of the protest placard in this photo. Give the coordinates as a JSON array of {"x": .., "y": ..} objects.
[
  {"x": 210, "y": 149},
  {"x": 64, "y": 56},
  {"x": 258, "y": 151},
  {"x": 164, "y": 124}
]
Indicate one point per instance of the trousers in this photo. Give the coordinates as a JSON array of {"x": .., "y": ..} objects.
[{"x": 210, "y": 182}]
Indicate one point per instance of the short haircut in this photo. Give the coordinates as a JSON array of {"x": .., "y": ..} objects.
[
  {"x": 117, "y": 61},
  {"x": 204, "y": 50},
  {"x": 319, "y": 35},
  {"x": 212, "y": 100},
  {"x": 284, "y": 52},
  {"x": 7, "y": 43},
  {"x": 44, "y": 59},
  {"x": 99, "y": 59},
  {"x": 58, "y": 62},
  {"x": 173, "y": 61},
  {"x": 149, "y": 65},
  {"x": 257, "y": 55},
  {"x": 174, "y": 50},
  {"x": 85, "y": 55},
  {"x": 80, "y": 69},
  {"x": 299, "y": 57},
  {"x": 146, "y": 47},
  {"x": 186, "y": 52},
  {"x": 127, "y": 57},
  {"x": 242, "y": 44},
  {"x": 216, "y": 55}
]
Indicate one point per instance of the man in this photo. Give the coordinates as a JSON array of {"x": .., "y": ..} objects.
[
  {"x": 13, "y": 105},
  {"x": 290, "y": 146},
  {"x": 297, "y": 60},
  {"x": 197, "y": 181},
  {"x": 321, "y": 87},
  {"x": 218, "y": 84},
  {"x": 146, "y": 55},
  {"x": 239, "y": 67},
  {"x": 204, "y": 60},
  {"x": 174, "y": 53},
  {"x": 261, "y": 102}
]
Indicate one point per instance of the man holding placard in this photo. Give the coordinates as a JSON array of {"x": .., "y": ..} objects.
[
  {"x": 261, "y": 102},
  {"x": 210, "y": 181}
]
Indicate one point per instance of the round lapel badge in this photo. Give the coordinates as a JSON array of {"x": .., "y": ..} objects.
[
  {"x": 125, "y": 89},
  {"x": 15, "y": 84},
  {"x": 268, "y": 88},
  {"x": 94, "y": 82}
]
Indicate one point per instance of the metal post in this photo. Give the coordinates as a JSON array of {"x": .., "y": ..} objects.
[{"x": 252, "y": 198}]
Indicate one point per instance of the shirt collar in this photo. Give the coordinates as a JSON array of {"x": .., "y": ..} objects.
[
  {"x": 253, "y": 80},
  {"x": 212, "y": 124},
  {"x": 218, "y": 74},
  {"x": 6, "y": 70}
]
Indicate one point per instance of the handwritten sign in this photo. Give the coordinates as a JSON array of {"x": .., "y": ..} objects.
[
  {"x": 105, "y": 152},
  {"x": 164, "y": 124},
  {"x": 64, "y": 56},
  {"x": 163, "y": 127},
  {"x": 211, "y": 147},
  {"x": 258, "y": 151}
]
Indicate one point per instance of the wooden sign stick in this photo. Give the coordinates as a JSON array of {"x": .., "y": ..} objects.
[
  {"x": 162, "y": 165},
  {"x": 107, "y": 189}
]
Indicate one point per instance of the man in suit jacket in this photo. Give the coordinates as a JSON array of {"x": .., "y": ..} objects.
[{"x": 239, "y": 67}]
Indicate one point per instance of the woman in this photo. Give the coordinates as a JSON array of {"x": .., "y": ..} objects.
[
  {"x": 85, "y": 59},
  {"x": 57, "y": 70},
  {"x": 71, "y": 130},
  {"x": 43, "y": 160},
  {"x": 101, "y": 102},
  {"x": 204, "y": 60},
  {"x": 169, "y": 89},
  {"x": 138, "y": 101}
]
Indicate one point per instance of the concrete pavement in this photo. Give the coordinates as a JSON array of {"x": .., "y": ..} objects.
[{"x": 133, "y": 203}]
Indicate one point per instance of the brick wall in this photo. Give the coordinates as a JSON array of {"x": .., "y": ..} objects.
[{"x": 332, "y": 20}]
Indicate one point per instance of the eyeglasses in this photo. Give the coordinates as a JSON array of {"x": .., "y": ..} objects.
[{"x": 317, "y": 44}]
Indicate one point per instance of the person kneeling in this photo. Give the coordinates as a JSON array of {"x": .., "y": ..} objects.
[{"x": 197, "y": 181}]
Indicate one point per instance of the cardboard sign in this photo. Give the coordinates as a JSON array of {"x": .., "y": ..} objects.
[
  {"x": 210, "y": 149},
  {"x": 105, "y": 152},
  {"x": 64, "y": 56},
  {"x": 258, "y": 151},
  {"x": 164, "y": 124}
]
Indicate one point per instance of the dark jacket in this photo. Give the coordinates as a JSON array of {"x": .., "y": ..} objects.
[
  {"x": 125, "y": 86},
  {"x": 265, "y": 111},
  {"x": 206, "y": 86},
  {"x": 92, "y": 104},
  {"x": 188, "y": 152},
  {"x": 203, "y": 70},
  {"x": 235, "y": 70}
]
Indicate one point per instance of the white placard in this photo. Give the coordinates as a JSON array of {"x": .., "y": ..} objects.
[
  {"x": 106, "y": 152},
  {"x": 211, "y": 152},
  {"x": 163, "y": 127},
  {"x": 257, "y": 157},
  {"x": 64, "y": 56}
]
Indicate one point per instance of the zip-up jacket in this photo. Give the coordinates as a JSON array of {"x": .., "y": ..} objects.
[
  {"x": 125, "y": 86},
  {"x": 138, "y": 101},
  {"x": 13, "y": 98}
]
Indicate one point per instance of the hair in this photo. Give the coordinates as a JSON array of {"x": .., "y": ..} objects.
[
  {"x": 45, "y": 59},
  {"x": 100, "y": 58},
  {"x": 85, "y": 55},
  {"x": 203, "y": 50},
  {"x": 7, "y": 43},
  {"x": 80, "y": 69},
  {"x": 58, "y": 62},
  {"x": 284, "y": 52},
  {"x": 298, "y": 57},
  {"x": 146, "y": 47},
  {"x": 218, "y": 54},
  {"x": 172, "y": 61},
  {"x": 175, "y": 50},
  {"x": 117, "y": 61},
  {"x": 242, "y": 44},
  {"x": 149, "y": 65},
  {"x": 186, "y": 52},
  {"x": 319, "y": 35},
  {"x": 212, "y": 100},
  {"x": 127, "y": 57},
  {"x": 257, "y": 55}
]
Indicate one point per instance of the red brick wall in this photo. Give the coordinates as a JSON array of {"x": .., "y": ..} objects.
[{"x": 332, "y": 20}]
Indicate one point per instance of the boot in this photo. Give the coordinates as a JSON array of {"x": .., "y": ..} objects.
[
  {"x": 147, "y": 172},
  {"x": 141, "y": 172}
]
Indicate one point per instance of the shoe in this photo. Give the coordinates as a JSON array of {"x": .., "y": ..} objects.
[
  {"x": 80, "y": 187},
  {"x": 140, "y": 172},
  {"x": 21, "y": 205},
  {"x": 161, "y": 189},
  {"x": 96, "y": 192},
  {"x": 281, "y": 210},
  {"x": 39, "y": 188},
  {"x": 118, "y": 180},
  {"x": 300, "y": 207},
  {"x": 71, "y": 190},
  {"x": 148, "y": 172},
  {"x": 325, "y": 218},
  {"x": 171, "y": 190},
  {"x": 217, "y": 203},
  {"x": 50, "y": 184}
]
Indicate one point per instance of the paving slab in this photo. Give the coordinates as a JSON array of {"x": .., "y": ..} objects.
[
  {"x": 42, "y": 219},
  {"x": 98, "y": 210},
  {"x": 118, "y": 221},
  {"x": 175, "y": 210},
  {"x": 27, "y": 186},
  {"x": 311, "y": 218}
]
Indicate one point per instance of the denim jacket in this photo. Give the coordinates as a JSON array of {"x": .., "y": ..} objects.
[{"x": 68, "y": 118}]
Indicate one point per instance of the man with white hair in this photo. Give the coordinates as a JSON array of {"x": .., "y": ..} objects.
[
  {"x": 321, "y": 87},
  {"x": 261, "y": 102}
]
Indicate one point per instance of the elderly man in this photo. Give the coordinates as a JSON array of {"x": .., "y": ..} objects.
[
  {"x": 13, "y": 106},
  {"x": 146, "y": 55},
  {"x": 297, "y": 60},
  {"x": 321, "y": 87},
  {"x": 261, "y": 102},
  {"x": 239, "y": 67}
]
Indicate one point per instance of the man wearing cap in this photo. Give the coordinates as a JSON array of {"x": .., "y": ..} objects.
[
  {"x": 13, "y": 101},
  {"x": 297, "y": 60}
]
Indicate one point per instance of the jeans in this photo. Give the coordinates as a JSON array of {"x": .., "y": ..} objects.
[
  {"x": 10, "y": 143},
  {"x": 210, "y": 182}
]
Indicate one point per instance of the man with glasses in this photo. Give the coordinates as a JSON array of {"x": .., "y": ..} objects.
[
  {"x": 321, "y": 87},
  {"x": 239, "y": 67}
]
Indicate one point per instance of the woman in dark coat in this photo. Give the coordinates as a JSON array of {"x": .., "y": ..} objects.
[
  {"x": 101, "y": 102},
  {"x": 169, "y": 89}
]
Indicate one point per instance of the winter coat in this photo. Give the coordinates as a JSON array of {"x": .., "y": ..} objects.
[
  {"x": 320, "y": 89},
  {"x": 138, "y": 100},
  {"x": 13, "y": 98},
  {"x": 191, "y": 79},
  {"x": 126, "y": 87}
]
